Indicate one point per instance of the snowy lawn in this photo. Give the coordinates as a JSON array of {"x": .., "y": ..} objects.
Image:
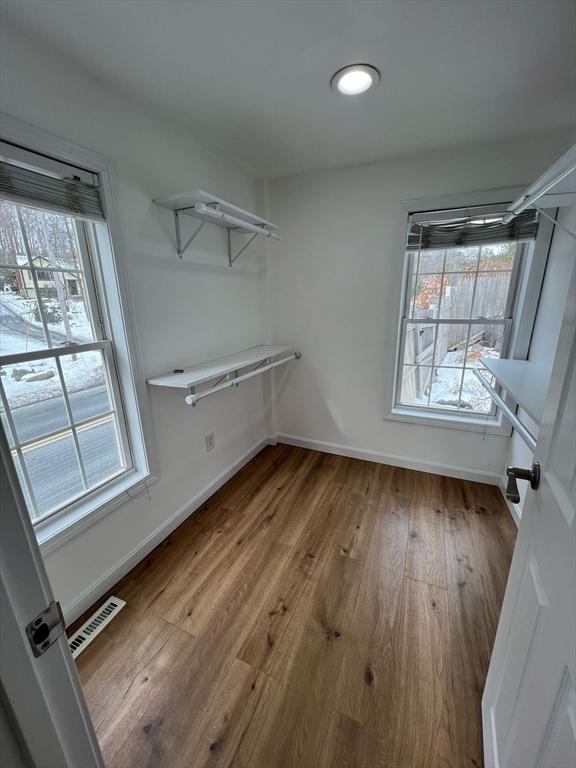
[{"x": 445, "y": 388}]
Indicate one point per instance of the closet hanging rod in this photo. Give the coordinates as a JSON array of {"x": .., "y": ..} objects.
[
  {"x": 193, "y": 398},
  {"x": 552, "y": 177},
  {"x": 233, "y": 221}
]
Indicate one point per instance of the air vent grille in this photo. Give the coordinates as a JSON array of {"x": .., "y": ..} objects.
[{"x": 95, "y": 625}]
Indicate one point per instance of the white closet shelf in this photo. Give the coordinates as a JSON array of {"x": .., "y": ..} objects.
[
  {"x": 526, "y": 383},
  {"x": 228, "y": 368},
  {"x": 208, "y": 208}
]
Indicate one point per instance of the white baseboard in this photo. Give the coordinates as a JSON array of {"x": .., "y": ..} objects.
[
  {"x": 90, "y": 595},
  {"x": 514, "y": 509},
  {"x": 462, "y": 473}
]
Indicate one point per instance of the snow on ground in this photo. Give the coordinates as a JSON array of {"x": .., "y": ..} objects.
[
  {"x": 77, "y": 315},
  {"x": 13, "y": 345},
  {"x": 24, "y": 334},
  {"x": 446, "y": 384},
  {"x": 85, "y": 372}
]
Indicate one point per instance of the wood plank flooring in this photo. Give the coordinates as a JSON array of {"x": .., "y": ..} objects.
[{"x": 318, "y": 611}]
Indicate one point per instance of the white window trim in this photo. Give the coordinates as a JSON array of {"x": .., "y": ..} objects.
[
  {"x": 528, "y": 291},
  {"x": 62, "y": 526}
]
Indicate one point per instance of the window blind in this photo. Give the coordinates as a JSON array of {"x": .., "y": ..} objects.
[
  {"x": 471, "y": 230},
  {"x": 65, "y": 195}
]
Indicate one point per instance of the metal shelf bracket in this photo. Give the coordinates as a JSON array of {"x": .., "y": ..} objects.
[
  {"x": 179, "y": 247},
  {"x": 232, "y": 259}
]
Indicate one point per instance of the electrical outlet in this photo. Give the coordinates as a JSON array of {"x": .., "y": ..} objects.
[{"x": 210, "y": 441}]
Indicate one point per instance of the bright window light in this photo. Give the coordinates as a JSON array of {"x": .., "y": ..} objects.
[{"x": 355, "y": 79}]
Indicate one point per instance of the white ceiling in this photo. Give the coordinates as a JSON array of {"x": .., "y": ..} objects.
[{"x": 251, "y": 78}]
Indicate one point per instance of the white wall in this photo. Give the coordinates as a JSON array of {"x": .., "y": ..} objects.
[
  {"x": 334, "y": 280},
  {"x": 553, "y": 299},
  {"x": 184, "y": 312}
]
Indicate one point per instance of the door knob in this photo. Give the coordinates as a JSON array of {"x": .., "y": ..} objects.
[{"x": 517, "y": 473}]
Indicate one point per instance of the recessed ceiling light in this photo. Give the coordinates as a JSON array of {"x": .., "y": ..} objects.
[{"x": 355, "y": 79}]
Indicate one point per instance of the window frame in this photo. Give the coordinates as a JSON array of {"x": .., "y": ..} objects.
[
  {"x": 505, "y": 322},
  {"x": 524, "y": 305},
  {"x": 104, "y": 248}
]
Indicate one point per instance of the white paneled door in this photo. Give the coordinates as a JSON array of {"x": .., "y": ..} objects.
[
  {"x": 45, "y": 705},
  {"x": 529, "y": 703}
]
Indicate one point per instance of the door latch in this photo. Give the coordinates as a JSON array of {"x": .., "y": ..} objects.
[
  {"x": 45, "y": 628},
  {"x": 517, "y": 473}
]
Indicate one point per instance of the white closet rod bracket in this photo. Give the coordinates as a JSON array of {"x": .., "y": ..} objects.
[{"x": 193, "y": 398}]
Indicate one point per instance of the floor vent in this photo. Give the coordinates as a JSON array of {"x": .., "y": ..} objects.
[{"x": 95, "y": 625}]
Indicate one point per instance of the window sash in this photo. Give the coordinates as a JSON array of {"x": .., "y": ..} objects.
[
  {"x": 100, "y": 342},
  {"x": 48, "y": 352},
  {"x": 408, "y": 307},
  {"x": 74, "y": 424}
]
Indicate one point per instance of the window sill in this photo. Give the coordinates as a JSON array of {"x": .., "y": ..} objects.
[
  {"x": 492, "y": 426},
  {"x": 60, "y": 528}
]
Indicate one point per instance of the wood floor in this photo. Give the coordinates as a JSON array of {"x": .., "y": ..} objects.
[{"x": 317, "y": 611}]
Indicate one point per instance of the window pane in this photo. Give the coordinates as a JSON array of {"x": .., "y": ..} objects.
[
  {"x": 419, "y": 343},
  {"x": 10, "y": 237},
  {"x": 498, "y": 256},
  {"x": 410, "y": 294},
  {"x": 445, "y": 389},
  {"x": 86, "y": 382},
  {"x": 451, "y": 344},
  {"x": 51, "y": 238},
  {"x": 54, "y": 471},
  {"x": 414, "y": 385},
  {"x": 485, "y": 341},
  {"x": 99, "y": 449},
  {"x": 427, "y": 296},
  {"x": 462, "y": 259},
  {"x": 6, "y": 426},
  {"x": 474, "y": 396},
  {"x": 21, "y": 328},
  {"x": 23, "y": 485},
  {"x": 491, "y": 294},
  {"x": 35, "y": 398},
  {"x": 430, "y": 261},
  {"x": 65, "y": 306},
  {"x": 457, "y": 299}
]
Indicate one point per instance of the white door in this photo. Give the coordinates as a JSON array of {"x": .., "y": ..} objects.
[
  {"x": 46, "y": 707},
  {"x": 529, "y": 702}
]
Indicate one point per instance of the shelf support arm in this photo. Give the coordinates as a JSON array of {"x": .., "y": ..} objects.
[
  {"x": 179, "y": 248},
  {"x": 232, "y": 259}
]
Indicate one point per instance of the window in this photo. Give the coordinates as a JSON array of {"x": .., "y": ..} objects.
[
  {"x": 461, "y": 277},
  {"x": 61, "y": 402}
]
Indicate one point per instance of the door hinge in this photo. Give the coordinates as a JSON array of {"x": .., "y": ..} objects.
[{"x": 45, "y": 628}]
